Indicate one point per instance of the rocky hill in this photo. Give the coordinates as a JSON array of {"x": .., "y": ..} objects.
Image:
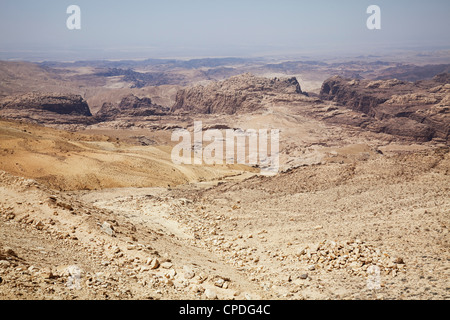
[
  {"x": 413, "y": 72},
  {"x": 47, "y": 108},
  {"x": 419, "y": 110},
  {"x": 53, "y": 102},
  {"x": 238, "y": 94},
  {"x": 130, "y": 106}
]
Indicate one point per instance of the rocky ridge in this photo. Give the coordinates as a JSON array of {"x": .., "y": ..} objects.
[
  {"x": 239, "y": 94},
  {"x": 64, "y": 104},
  {"x": 418, "y": 110},
  {"x": 130, "y": 106},
  {"x": 47, "y": 108}
]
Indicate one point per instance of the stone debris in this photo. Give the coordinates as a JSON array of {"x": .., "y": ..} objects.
[{"x": 355, "y": 256}]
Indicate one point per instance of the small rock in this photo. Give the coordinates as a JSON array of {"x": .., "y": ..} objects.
[
  {"x": 10, "y": 252},
  {"x": 219, "y": 283},
  {"x": 39, "y": 225},
  {"x": 168, "y": 282},
  {"x": 33, "y": 269},
  {"x": 210, "y": 294},
  {"x": 153, "y": 263},
  {"x": 304, "y": 276},
  {"x": 144, "y": 269},
  {"x": 166, "y": 265},
  {"x": 172, "y": 273},
  {"x": 189, "y": 275},
  {"x": 46, "y": 273},
  {"x": 311, "y": 267},
  {"x": 107, "y": 228},
  {"x": 196, "y": 288},
  {"x": 4, "y": 264},
  {"x": 399, "y": 261}
]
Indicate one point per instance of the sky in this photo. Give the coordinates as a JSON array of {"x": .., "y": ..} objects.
[{"x": 188, "y": 28}]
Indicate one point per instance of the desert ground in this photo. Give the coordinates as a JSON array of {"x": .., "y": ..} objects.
[{"x": 96, "y": 209}]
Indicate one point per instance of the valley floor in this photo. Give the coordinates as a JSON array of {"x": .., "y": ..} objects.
[{"x": 312, "y": 232}]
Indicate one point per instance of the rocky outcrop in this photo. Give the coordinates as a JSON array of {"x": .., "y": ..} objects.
[
  {"x": 238, "y": 94},
  {"x": 47, "y": 108},
  {"x": 419, "y": 110},
  {"x": 64, "y": 104},
  {"x": 130, "y": 106}
]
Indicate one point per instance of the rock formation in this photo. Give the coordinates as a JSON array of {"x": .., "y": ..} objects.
[
  {"x": 46, "y": 108},
  {"x": 65, "y": 104},
  {"x": 239, "y": 94},
  {"x": 130, "y": 106},
  {"x": 419, "y": 110}
]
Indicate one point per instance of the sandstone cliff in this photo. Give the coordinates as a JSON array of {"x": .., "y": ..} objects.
[
  {"x": 239, "y": 94},
  {"x": 46, "y": 108},
  {"x": 52, "y": 102},
  {"x": 419, "y": 110},
  {"x": 130, "y": 106}
]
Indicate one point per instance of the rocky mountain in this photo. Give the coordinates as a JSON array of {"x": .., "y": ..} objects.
[
  {"x": 130, "y": 106},
  {"x": 419, "y": 110},
  {"x": 413, "y": 72},
  {"x": 238, "y": 94},
  {"x": 52, "y": 102},
  {"x": 47, "y": 108}
]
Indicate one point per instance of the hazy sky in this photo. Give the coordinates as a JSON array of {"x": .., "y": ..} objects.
[{"x": 217, "y": 28}]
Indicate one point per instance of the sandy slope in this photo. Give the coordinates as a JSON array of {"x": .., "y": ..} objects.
[
  {"x": 72, "y": 161},
  {"x": 309, "y": 233}
]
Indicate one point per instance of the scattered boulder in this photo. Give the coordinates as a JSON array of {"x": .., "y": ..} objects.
[{"x": 355, "y": 256}]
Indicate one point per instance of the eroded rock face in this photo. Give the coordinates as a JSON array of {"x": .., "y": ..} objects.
[
  {"x": 239, "y": 94},
  {"x": 47, "y": 108},
  {"x": 64, "y": 104},
  {"x": 420, "y": 110},
  {"x": 130, "y": 106}
]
